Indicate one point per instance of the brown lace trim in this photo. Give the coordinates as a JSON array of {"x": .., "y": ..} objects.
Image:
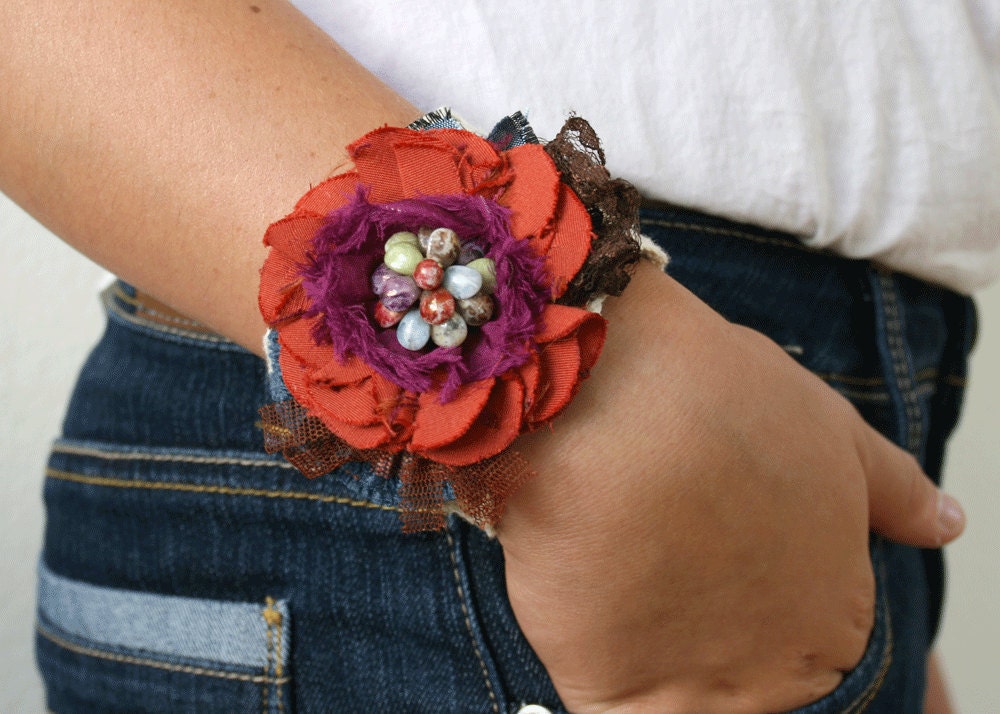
[
  {"x": 481, "y": 489},
  {"x": 614, "y": 211}
]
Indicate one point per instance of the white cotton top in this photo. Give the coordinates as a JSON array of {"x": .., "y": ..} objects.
[{"x": 869, "y": 127}]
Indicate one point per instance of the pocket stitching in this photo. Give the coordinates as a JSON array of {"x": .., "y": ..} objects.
[
  {"x": 143, "y": 662},
  {"x": 111, "y": 482},
  {"x": 866, "y": 697},
  {"x": 468, "y": 622}
]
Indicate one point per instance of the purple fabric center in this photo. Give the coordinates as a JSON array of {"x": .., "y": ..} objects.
[{"x": 350, "y": 246}]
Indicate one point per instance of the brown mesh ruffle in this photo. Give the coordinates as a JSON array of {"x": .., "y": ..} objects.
[
  {"x": 481, "y": 489},
  {"x": 614, "y": 211}
]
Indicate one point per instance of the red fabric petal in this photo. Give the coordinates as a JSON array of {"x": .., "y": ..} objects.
[
  {"x": 558, "y": 321},
  {"x": 329, "y": 195},
  {"x": 401, "y": 163},
  {"x": 292, "y": 236},
  {"x": 281, "y": 296},
  {"x": 374, "y": 436},
  {"x": 474, "y": 149},
  {"x": 374, "y": 157},
  {"x": 427, "y": 168},
  {"x": 478, "y": 160},
  {"x": 336, "y": 372},
  {"x": 590, "y": 337},
  {"x": 533, "y": 194},
  {"x": 439, "y": 424},
  {"x": 351, "y": 404},
  {"x": 559, "y": 363},
  {"x": 296, "y": 338},
  {"x": 530, "y": 375},
  {"x": 570, "y": 343},
  {"x": 569, "y": 245},
  {"x": 494, "y": 429}
]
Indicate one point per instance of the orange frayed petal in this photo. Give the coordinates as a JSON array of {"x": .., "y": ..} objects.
[
  {"x": 478, "y": 161},
  {"x": 351, "y": 404},
  {"x": 565, "y": 361},
  {"x": 337, "y": 372},
  {"x": 530, "y": 375},
  {"x": 494, "y": 429},
  {"x": 571, "y": 235},
  {"x": 374, "y": 157},
  {"x": 590, "y": 337},
  {"x": 559, "y": 363},
  {"x": 558, "y": 321},
  {"x": 439, "y": 424},
  {"x": 281, "y": 296},
  {"x": 427, "y": 168},
  {"x": 292, "y": 236},
  {"x": 533, "y": 194},
  {"x": 296, "y": 337},
  {"x": 361, "y": 437},
  {"x": 329, "y": 195}
]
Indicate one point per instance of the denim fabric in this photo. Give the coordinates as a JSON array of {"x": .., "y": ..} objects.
[{"x": 162, "y": 506}]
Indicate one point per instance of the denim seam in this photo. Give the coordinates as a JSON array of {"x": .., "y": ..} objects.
[
  {"x": 170, "y": 458},
  {"x": 139, "y": 304},
  {"x": 494, "y": 702},
  {"x": 274, "y": 622},
  {"x": 143, "y": 662},
  {"x": 866, "y": 697},
  {"x": 728, "y": 232},
  {"x": 901, "y": 364},
  {"x": 156, "y": 330},
  {"x": 110, "y": 482},
  {"x": 923, "y": 390},
  {"x": 928, "y": 374},
  {"x": 265, "y": 688}
]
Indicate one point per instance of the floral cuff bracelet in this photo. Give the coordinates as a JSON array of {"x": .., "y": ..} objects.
[{"x": 437, "y": 301}]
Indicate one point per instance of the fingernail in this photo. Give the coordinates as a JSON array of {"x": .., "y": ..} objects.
[{"x": 951, "y": 517}]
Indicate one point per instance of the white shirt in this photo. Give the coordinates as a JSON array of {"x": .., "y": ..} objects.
[{"x": 868, "y": 127}]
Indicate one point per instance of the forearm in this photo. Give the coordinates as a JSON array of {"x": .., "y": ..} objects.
[{"x": 160, "y": 139}]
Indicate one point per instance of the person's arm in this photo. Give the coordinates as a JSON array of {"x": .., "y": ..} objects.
[{"x": 161, "y": 138}]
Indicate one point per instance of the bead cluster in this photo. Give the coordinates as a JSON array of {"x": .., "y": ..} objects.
[{"x": 433, "y": 288}]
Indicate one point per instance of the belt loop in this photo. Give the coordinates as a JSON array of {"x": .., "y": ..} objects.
[{"x": 897, "y": 362}]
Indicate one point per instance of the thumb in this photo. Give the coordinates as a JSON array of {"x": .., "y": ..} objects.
[{"x": 904, "y": 505}]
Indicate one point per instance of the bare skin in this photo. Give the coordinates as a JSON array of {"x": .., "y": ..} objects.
[{"x": 161, "y": 139}]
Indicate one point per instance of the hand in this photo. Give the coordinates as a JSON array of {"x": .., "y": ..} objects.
[{"x": 697, "y": 536}]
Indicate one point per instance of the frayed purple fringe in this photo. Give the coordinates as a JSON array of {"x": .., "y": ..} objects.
[{"x": 349, "y": 247}]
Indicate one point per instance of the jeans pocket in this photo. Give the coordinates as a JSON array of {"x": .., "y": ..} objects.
[
  {"x": 516, "y": 677},
  {"x": 109, "y": 650},
  {"x": 863, "y": 683}
]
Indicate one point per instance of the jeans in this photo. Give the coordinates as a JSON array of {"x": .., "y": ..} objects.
[{"x": 185, "y": 570}]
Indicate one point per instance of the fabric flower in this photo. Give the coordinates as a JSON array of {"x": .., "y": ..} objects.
[{"x": 454, "y": 406}]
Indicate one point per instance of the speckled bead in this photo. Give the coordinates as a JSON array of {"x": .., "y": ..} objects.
[
  {"x": 428, "y": 274},
  {"x": 469, "y": 252},
  {"x": 488, "y": 270},
  {"x": 437, "y": 306},
  {"x": 443, "y": 246},
  {"x": 402, "y": 237},
  {"x": 462, "y": 281},
  {"x": 386, "y": 317},
  {"x": 476, "y": 310},
  {"x": 382, "y": 273},
  {"x": 403, "y": 258},
  {"x": 413, "y": 333},
  {"x": 450, "y": 333},
  {"x": 423, "y": 235},
  {"x": 400, "y": 292}
]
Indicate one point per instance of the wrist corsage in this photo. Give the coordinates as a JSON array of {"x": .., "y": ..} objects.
[{"x": 437, "y": 301}]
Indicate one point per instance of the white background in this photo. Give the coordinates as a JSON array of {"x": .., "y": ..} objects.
[{"x": 50, "y": 319}]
